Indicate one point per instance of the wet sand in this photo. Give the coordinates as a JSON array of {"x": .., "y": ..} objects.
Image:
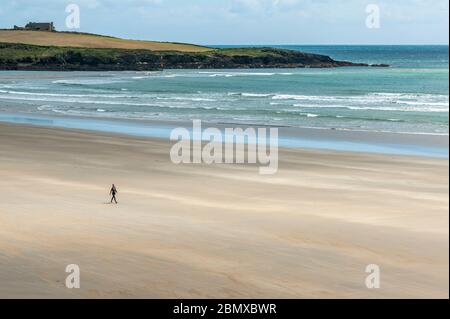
[{"x": 215, "y": 231}]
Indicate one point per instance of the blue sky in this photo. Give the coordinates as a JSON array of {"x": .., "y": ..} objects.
[{"x": 245, "y": 21}]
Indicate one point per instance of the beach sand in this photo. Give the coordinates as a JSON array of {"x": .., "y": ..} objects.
[{"x": 215, "y": 231}]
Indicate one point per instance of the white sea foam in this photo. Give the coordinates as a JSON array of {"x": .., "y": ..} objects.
[
  {"x": 90, "y": 81},
  {"x": 255, "y": 95},
  {"x": 246, "y": 74},
  {"x": 373, "y": 101},
  {"x": 105, "y": 96},
  {"x": 113, "y": 96},
  {"x": 180, "y": 98}
]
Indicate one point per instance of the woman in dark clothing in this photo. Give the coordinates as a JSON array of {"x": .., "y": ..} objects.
[{"x": 113, "y": 193}]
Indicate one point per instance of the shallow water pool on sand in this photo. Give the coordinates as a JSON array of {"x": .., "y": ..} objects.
[{"x": 387, "y": 143}]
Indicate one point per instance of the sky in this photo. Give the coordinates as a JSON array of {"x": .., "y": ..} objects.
[{"x": 241, "y": 22}]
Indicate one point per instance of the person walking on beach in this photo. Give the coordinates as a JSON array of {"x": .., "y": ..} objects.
[{"x": 113, "y": 193}]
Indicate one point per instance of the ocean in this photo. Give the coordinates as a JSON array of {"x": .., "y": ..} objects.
[{"x": 412, "y": 96}]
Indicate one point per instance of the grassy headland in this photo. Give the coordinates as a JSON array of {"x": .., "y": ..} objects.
[
  {"x": 36, "y": 50},
  {"x": 87, "y": 40}
]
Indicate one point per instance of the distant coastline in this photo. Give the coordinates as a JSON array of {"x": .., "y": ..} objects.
[{"x": 62, "y": 51}]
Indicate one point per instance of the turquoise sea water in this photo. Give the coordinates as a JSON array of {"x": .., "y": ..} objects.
[{"x": 412, "y": 96}]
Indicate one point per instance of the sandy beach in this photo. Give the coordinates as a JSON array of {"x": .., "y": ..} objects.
[{"x": 215, "y": 231}]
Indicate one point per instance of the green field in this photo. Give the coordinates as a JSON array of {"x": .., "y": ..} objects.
[
  {"x": 63, "y": 51},
  {"x": 85, "y": 40}
]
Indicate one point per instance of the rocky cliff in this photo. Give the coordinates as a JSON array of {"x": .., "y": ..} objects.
[{"x": 32, "y": 57}]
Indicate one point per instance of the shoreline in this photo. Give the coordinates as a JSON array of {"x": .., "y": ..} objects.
[
  {"x": 416, "y": 144},
  {"x": 57, "y": 51},
  {"x": 215, "y": 231}
]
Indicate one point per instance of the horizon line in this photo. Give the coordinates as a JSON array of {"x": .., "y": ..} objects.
[{"x": 333, "y": 44}]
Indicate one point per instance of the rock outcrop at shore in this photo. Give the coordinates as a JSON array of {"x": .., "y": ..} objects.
[
  {"x": 31, "y": 57},
  {"x": 266, "y": 58}
]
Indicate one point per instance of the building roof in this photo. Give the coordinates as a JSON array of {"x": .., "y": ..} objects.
[{"x": 39, "y": 24}]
